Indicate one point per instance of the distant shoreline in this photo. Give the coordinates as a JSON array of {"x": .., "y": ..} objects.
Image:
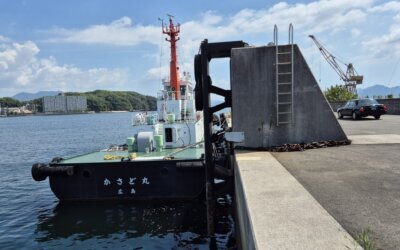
[
  {"x": 73, "y": 113},
  {"x": 116, "y": 111}
]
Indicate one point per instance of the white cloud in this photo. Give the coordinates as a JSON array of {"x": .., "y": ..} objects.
[
  {"x": 313, "y": 17},
  {"x": 157, "y": 73},
  {"x": 389, "y": 6},
  {"x": 318, "y": 16},
  {"x": 310, "y": 18},
  {"x": 21, "y": 68},
  {"x": 119, "y": 32},
  {"x": 387, "y": 45},
  {"x": 4, "y": 39},
  {"x": 22, "y": 65},
  {"x": 355, "y": 32}
]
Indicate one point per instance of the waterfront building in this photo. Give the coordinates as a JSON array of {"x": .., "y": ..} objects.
[{"x": 64, "y": 104}]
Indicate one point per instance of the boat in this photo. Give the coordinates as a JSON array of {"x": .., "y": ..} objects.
[
  {"x": 162, "y": 160},
  {"x": 3, "y": 112}
]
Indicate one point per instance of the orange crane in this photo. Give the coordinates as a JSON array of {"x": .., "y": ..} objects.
[{"x": 351, "y": 78}]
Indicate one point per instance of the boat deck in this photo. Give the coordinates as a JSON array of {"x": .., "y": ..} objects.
[{"x": 115, "y": 156}]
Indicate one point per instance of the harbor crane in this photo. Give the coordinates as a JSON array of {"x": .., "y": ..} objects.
[{"x": 351, "y": 78}]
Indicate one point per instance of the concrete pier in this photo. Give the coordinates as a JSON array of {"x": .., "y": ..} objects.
[
  {"x": 304, "y": 113},
  {"x": 276, "y": 212}
]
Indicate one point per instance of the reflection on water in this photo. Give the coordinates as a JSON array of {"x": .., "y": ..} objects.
[
  {"x": 140, "y": 225},
  {"x": 81, "y": 222}
]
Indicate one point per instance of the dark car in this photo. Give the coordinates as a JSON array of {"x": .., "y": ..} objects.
[{"x": 362, "y": 108}]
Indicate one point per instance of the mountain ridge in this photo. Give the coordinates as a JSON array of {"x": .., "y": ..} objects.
[
  {"x": 26, "y": 96},
  {"x": 379, "y": 90}
]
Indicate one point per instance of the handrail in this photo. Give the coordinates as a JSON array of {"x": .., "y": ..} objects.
[
  {"x": 291, "y": 73},
  {"x": 276, "y": 72},
  {"x": 141, "y": 119},
  {"x": 170, "y": 95},
  {"x": 168, "y": 156},
  {"x": 292, "y": 60}
]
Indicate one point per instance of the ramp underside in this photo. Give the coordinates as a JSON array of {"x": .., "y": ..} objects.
[{"x": 254, "y": 101}]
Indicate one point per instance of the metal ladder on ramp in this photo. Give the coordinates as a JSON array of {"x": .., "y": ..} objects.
[{"x": 284, "y": 79}]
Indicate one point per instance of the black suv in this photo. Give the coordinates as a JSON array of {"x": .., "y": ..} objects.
[{"x": 362, "y": 108}]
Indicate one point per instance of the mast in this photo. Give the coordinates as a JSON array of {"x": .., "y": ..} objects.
[{"x": 173, "y": 31}]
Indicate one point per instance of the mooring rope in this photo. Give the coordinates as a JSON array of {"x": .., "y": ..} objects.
[{"x": 288, "y": 147}]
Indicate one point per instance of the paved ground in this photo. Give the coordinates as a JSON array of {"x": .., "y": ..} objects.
[
  {"x": 281, "y": 212},
  {"x": 359, "y": 184},
  {"x": 388, "y": 124}
]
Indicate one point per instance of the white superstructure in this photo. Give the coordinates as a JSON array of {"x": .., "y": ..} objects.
[{"x": 176, "y": 121}]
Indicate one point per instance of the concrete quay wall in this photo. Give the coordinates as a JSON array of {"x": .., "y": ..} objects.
[
  {"x": 274, "y": 211},
  {"x": 268, "y": 109}
]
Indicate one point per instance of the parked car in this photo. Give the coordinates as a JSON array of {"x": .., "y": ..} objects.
[{"x": 362, "y": 108}]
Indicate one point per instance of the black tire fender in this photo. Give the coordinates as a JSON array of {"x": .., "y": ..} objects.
[{"x": 199, "y": 82}]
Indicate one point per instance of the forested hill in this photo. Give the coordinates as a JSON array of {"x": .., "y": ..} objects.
[
  {"x": 104, "y": 100},
  {"x": 99, "y": 100}
]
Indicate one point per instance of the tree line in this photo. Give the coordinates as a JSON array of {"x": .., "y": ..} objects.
[
  {"x": 104, "y": 100},
  {"x": 98, "y": 100},
  {"x": 339, "y": 93}
]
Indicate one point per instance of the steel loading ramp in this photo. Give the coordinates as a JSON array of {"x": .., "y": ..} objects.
[{"x": 255, "y": 104}]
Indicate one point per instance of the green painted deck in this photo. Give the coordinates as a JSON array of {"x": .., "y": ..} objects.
[{"x": 98, "y": 157}]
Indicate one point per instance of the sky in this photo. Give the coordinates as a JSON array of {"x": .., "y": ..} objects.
[{"x": 84, "y": 45}]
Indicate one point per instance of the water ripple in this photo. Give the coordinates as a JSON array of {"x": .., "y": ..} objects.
[{"x": 32, "y": 218}]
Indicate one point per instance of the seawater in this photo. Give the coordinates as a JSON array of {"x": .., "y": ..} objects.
[{"x": 31, "y": 217}]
